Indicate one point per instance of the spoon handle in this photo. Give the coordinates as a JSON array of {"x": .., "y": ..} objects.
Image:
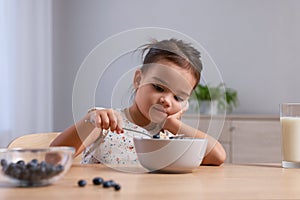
[{"x": 128, "y": 129}]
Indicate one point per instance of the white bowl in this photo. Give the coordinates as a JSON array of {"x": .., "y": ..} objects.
[
  {"x": 34, "y": 167},
  {"x": 170, "y": 155}
]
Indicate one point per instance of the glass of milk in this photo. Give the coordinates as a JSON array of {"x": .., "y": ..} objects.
[{"x": 290, "y": 125}]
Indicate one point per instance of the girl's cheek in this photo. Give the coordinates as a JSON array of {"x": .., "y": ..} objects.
[{"x": 176, "y": 109}]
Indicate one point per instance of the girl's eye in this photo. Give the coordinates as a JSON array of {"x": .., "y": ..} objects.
[
  {"x": 179, "y": 99},
  {"x": 158, "y": 88}
]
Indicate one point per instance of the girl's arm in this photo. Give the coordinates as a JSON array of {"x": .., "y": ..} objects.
[
  {"x": 82, "y": 134},
  {"x": 78, "y": 135},
  {"x": 215, "y": 153}
]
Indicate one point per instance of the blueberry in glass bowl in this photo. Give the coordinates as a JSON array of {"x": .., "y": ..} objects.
[{"x": 29, "y": 167}]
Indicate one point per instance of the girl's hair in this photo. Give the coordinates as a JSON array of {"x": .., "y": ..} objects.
[{"x": 176, "y": 51}]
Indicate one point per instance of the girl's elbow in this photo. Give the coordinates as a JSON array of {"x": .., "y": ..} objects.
[
  {"x": 216, "y": 159},
  {"x": 220, "y": 159},
  {"x": 54, "y": 143}
]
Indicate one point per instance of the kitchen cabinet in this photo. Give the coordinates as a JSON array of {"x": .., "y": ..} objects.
[{"x": 246, "y": 139}]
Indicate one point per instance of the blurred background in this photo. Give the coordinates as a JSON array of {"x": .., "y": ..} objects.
[{"x": 254, "y": 44}]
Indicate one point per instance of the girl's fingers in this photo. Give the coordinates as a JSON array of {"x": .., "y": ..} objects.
[
  {"x": 116, "y": 121},
  {"x": 95, "y": 119},
  {"x": 119, "y": 128},
  {"x": 186, "y": 106},
  {"x": 113, "y": 122},
  {"x": 105, "y": 121}
]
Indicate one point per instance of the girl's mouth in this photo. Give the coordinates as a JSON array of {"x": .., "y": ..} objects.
[
  {"x": 159, "y": 110},
  {"x": 157, "y": 114}
]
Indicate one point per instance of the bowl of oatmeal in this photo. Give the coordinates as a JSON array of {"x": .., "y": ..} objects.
[{"x": 177, "y": 155}]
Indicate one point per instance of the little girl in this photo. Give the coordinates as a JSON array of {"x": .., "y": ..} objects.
[{"x": 171, "y": 70}]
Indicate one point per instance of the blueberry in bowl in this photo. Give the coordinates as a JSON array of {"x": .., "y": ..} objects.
[{"x": 26, "y": 167}]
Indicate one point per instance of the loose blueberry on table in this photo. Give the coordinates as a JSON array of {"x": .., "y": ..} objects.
[
  {"x": 81, "y": 183},
  {"x": 99, "y": 181},
  {"x": 107, "y": 184},
  {"x": 117, "y": 187}
]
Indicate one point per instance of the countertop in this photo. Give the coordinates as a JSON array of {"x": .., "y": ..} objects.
[{"x": 229, "y": 181}]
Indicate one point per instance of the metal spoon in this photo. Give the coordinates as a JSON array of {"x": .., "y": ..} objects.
[
  {"x": 140, "y": 132},
  {"x": 133, "y": 130},
  {"x": 127, "y": 129},
  {"x": 179, "y": 136}
]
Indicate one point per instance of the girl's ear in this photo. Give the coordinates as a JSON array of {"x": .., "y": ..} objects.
[{"x": 137, "y": 78}]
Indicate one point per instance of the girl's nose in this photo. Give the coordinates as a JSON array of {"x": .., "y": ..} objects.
[{"x": 165, "y": 101}]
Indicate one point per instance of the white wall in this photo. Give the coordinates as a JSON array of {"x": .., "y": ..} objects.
[{"x": 253, "y": 42}]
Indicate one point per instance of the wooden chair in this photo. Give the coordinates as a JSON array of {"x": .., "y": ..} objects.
[{"x": 37, "y": 140}]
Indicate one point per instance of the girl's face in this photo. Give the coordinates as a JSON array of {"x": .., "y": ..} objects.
[{"x": 162, "y": 90}]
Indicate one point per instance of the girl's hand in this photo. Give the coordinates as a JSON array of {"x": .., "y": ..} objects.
[
  {"x": 106, "y": 119},
  {"x": 179, "y": 114},
  {"x": 175, "y": 118}
]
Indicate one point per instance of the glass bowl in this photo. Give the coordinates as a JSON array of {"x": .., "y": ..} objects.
[{"x": 26, "y": 167}]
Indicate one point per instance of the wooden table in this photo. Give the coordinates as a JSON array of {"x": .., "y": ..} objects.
[{"x": 207, "y": 182}]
